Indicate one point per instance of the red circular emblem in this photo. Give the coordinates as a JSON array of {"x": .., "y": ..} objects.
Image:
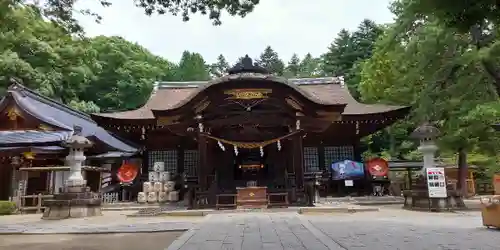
[
  {"x": 127, "y": 172},
  {"x": 377, "y": 167}
]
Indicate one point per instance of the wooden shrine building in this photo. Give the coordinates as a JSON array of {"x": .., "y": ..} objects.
[
  {"x": 250, "y": 134},
  {"x": 33, "y": 129}
]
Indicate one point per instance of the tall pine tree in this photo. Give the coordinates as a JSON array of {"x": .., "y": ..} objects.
[
  {"x": 270, "y": 60},
  {"x": 192, "y": 67},
  {"x": 219, "y": 68},
  {"x": 293, "y": 67}
]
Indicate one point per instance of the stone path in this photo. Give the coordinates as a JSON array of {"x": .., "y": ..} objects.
[
  {"x": 110, "y": 222},
  {"x": 388, "y": 229}
]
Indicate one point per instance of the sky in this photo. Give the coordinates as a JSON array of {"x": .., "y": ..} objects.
[{"x": 288, "y": 26}]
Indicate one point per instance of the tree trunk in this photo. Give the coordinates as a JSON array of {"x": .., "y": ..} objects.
[{"x": 463, "y": 171}]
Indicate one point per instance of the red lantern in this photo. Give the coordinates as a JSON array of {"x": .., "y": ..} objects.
[
  {"x": 127, "y": 172},
  {"x": 377, "y": 167}
]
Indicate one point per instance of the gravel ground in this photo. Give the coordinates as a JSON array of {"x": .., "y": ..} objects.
[{"x": 136, "y": 241}]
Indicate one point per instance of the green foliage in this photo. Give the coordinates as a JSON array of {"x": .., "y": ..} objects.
[
  {"x": 437, "y": 71},
  {"x": 270, "y": 60},
  {"x": 61, "y": 12},
  {"x": 310, "y": 66},
  {"x": 457, "y": 14},
  {"x": 219, "y": 68},
  {"x": 212, "y": 8},
  {"x": 192, "y": 67},
  {"x": 293, "y": 67},
  {"x": 7, "y": 207},
  {"x": 348, "y": 50},
  {"x": 98, "y": 74}
]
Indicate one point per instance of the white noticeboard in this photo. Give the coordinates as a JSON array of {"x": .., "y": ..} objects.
[
  {"x": 348, "y": 183},
  {"x": 436, "y": 182}
]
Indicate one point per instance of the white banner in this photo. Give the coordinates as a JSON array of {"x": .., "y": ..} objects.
[{"x": 436, "y": 182}]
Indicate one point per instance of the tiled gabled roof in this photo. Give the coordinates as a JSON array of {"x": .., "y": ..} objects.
[
  {"x": 324, "y": 90},
  {"x": 61, "y": 116}
]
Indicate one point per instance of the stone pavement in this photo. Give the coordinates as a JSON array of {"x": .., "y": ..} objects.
[
  {"x": 385, "y": 230},
  {"x": 110, "y": 222}
]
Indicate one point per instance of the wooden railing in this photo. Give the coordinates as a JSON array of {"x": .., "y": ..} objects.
[
  {"x": 35, "y": 204},
  {"x": 484, "y": 188}
]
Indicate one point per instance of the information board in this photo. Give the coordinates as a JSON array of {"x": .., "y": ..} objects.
[{"x": 436, "y": 182}]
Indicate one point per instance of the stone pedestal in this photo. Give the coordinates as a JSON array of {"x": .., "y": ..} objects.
[
  {"x": 418, "y": 199},
  {"x": 76, "y": 203}
]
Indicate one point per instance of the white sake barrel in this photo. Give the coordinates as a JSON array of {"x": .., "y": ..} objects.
[
  {"x": 152, "y": 197},
  {"x": 165, "y": 176},
  {"x": 141, "y": 197},
  {"x": 159, "y": 166},
  {"x": 173, "y": 196},
  {"x": 169, "y": 186},
  {"x": 147, "y": 187},
  {"x": 153, "y": 176},
  {"x": 158, "y": 187},
  {"x": 162, "y": 196}
]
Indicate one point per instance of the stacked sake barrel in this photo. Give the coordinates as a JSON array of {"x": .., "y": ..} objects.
[{"x": 159, "y": 187}]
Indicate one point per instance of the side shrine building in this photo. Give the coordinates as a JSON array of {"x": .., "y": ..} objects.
[
  {"x": 33, "y": 154},
  {"x": 249, "y": 135}
]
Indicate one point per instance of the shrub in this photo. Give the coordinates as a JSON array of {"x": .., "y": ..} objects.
[{"x": 7, "y": 207}]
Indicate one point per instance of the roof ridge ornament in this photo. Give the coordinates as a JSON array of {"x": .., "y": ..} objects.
[{"x": 246, "y": 65}]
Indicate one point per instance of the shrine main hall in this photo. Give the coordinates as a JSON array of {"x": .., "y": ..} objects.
[{"x": 249, "y": 129}]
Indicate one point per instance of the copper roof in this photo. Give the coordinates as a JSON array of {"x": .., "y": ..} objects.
[{"x": 326, "y": 91}]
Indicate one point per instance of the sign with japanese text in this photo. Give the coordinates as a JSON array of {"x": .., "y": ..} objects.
[{"x": 436, "y": 182}]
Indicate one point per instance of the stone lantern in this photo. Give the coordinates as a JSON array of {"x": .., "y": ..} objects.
[
  {"x": 76, "y": 200},
  {"x": 418, "y": 197},
  {"x": 76, "y": 144},
  {"x": 426, "y": 134}
]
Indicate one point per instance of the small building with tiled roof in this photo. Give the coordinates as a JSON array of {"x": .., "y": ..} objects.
[
  {"x": 215, "y": 131},
  {"x": 33, "y": 130}
]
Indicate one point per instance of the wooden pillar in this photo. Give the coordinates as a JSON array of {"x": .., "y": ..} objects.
[
  {"x": 298, "y": 160},
  {"x": 180, "y": 159},
  {"x": 357, "y": 151},
  {"x": 145, "y": 163},
  {"x": 202, "y": 164}
]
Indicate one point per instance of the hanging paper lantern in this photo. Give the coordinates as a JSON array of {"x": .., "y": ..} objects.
[
  {"x": 127, "y": 172},
  {"x": 377, "y": 167}
]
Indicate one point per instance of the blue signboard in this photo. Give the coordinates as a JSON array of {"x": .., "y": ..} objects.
[{"x": 347, "y": 170}]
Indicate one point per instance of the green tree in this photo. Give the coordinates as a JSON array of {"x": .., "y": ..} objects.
[
  {"x": 340, "y": 56},
  {"x": 348, "y": 50},
  {"x": 192, "y": 67},
  {"x": 293, "y": 67},
  {"x": 219, "y": 68},
  {"x": 310, "y": 66},
  {"x": 477, "y": 20},
  {"x": 429, "y": 69},
  {"x": 124, "y": 73},
  {"x": 62, "y": 12},
  {"x": 270, "y": 60},
  {"x": 102, "y": 73}
]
